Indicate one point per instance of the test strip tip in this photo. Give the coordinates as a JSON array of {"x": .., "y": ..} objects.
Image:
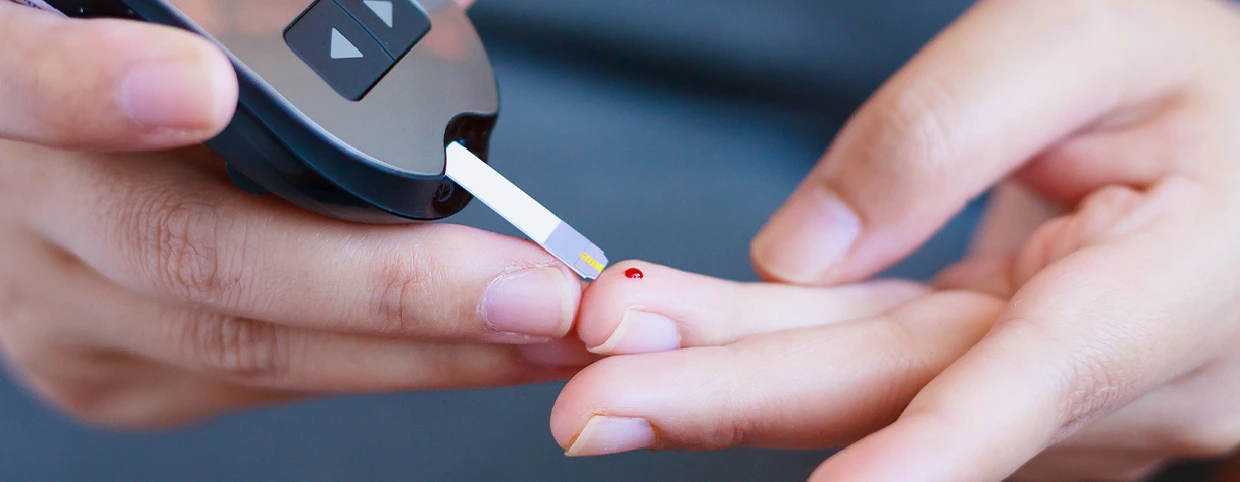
[{"x": 540, "y": 224}]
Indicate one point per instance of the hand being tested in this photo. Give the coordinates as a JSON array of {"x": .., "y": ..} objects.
[
  {"x": 143, "y": 288},
  {"x": 1107, "y": 334}
]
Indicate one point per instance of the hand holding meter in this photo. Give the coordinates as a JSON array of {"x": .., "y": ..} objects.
[{"x": 373, "y": 111}]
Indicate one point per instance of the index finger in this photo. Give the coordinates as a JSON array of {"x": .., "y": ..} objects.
[
  {"x": 181, "y": 232},
  {"x": 808, "y": 387}
]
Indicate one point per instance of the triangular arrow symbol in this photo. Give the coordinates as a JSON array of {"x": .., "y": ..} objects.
[
  {"x": 382, "y": 8},
  {"x": 342, "y": 48}
]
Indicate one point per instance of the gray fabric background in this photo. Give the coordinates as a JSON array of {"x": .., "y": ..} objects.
[{"x": 666, "y": 131}]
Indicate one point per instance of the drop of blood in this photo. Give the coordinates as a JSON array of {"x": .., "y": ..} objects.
[{"x": 634, "y": 273}]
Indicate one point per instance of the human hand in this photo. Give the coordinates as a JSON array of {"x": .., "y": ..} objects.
[
  {"x": 143, "y": 289},
  {"x": 1114, "y": 326},
  {"x": 715, "y": 364},
  {"x": 702, "y": 364}
]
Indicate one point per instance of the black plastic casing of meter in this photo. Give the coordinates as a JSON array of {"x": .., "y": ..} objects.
[{"x": 274, "y": 145}]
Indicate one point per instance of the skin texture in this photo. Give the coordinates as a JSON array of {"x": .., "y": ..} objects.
[
  {"x": 1089, "y": 336},
  {"x": 141, "y": 289}
]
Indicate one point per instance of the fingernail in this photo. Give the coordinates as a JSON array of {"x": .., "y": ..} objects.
[
  {"x": 536, "y": 302},
  {"x": 173, "y": 95},
  {"x": 809, "y": 236},
  {"x": 641, "y": 332},
  {"x": 612, "y": 435}
]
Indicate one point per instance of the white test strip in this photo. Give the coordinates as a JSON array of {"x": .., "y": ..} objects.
[{"x": 536, "y": 221}]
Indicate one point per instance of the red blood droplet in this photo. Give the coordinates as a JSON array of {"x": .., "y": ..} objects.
[{"x": 634, "y": 273}]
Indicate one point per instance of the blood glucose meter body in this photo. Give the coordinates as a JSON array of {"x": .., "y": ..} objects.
[{"x": 346, "y": 106}]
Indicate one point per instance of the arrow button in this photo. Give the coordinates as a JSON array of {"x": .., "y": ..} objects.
[
  {"x": 339, "y": 49},
  {"x": 342, "y": 48},
  {"x": 382, "y": 8},
  {"x": 397, "y": 24}
]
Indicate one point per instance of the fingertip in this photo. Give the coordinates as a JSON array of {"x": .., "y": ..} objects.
[
  {"x": 627, "y": 387},
  {"x": 640, "y": 331},
  {"x": 225, "y": 90},
  {"x": 573, "y": 408},
  {"x": 112, "y": 84},
  {"x": 182, "y": 91},
  {"x": 807, "y": 238},
  {"x": 605, "y": 435},
  {"x": 530, "y": 304},
  {"x": 563, "y": 427},
  {"x": 626, "y": 286}
]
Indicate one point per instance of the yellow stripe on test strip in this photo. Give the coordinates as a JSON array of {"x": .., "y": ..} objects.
[
  {"x": 595, "y": 264},
  {"x": 532, "y": 218}
]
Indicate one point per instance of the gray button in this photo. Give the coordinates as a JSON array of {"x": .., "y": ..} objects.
[
  {"x": 339, "y": 49},
  {"x": 397, "y": 24}
]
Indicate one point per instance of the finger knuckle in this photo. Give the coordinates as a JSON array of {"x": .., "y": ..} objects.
[
  {"x": 902, "y": 138},
  {"x": 906, "y": 362},
  {"x": 741, "y": 430},
  {"x": 181, "y": 241},
  {"x": 403, "y": 280},
  {"x": 1094, "y": 388},
  {"x": 240, "y": 349},
  {"x": 1092, "y": 380},
  {"x": 905, "y": 134},
  {"x": 748, "y": 413}
]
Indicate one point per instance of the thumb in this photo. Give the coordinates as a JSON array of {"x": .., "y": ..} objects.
[
  {"x": 108, "y": 84},
  {"x": 981, "y": 100}
]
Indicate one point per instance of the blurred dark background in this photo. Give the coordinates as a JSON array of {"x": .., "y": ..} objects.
[{"x": 666, "y": 131}]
